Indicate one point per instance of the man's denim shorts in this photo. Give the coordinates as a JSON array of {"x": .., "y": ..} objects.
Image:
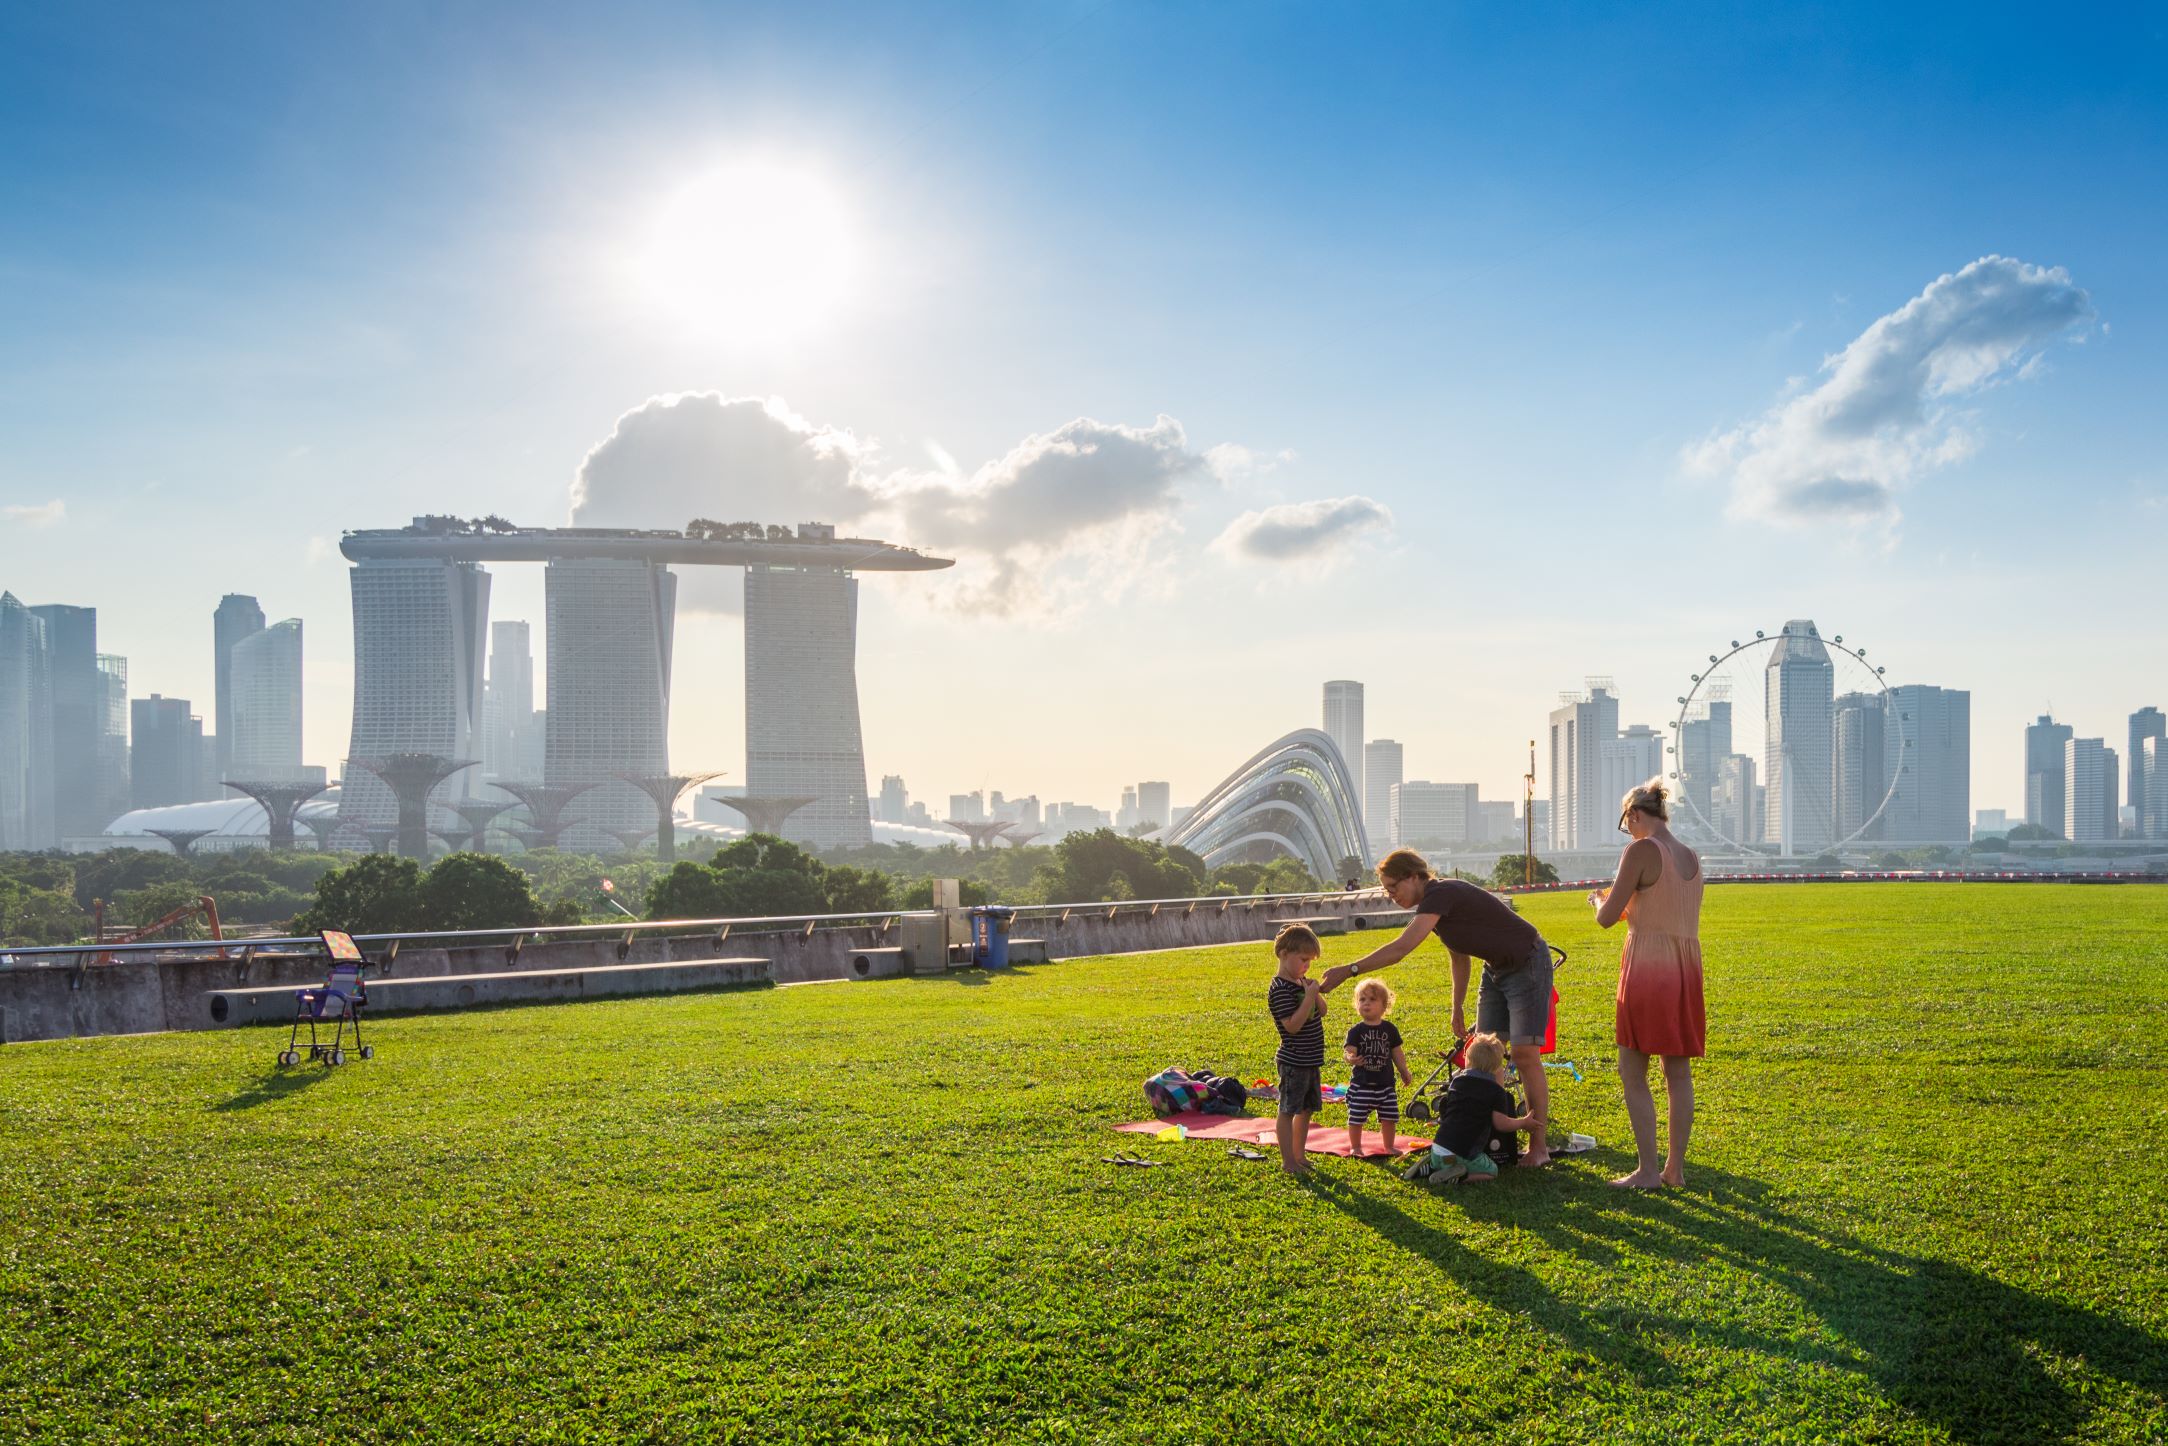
[{"x": 1515, "y": 1004}]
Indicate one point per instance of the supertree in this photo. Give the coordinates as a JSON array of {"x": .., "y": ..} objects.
[
  {"x": 411, "y": 777},
  {"x": 182, "y": 839},
  {"x": 665, "y": 789},
  {"x": 281, "y": 801},
  {"x": 546, "y": 821}
]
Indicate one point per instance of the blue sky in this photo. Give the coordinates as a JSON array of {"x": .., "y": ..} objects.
[{"x": 1501, "y": 274}]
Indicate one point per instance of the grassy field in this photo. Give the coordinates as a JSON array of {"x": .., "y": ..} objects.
[{"x": 1925, "y": 1204}]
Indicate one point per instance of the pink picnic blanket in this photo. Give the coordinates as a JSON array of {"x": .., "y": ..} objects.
[{"x": 1263, "y": 1132}]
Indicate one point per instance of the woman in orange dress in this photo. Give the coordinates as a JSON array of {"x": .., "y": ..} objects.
[{"x": 1658, "y": 894}]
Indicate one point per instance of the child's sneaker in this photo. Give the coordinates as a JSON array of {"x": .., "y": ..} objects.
[
  {"x": 1482, "y": 1167},
  {"x": 1446, "y": 1168}
]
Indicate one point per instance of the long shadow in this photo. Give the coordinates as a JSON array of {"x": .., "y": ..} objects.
[
  {"x": 274, "y": 1085},
  {"x": 1986, "y": 1360}
]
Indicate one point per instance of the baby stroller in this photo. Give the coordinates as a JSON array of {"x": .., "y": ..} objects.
[{"x": 338, "y": 1001}]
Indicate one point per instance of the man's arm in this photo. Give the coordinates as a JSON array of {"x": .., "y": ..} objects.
[{"x": 1391, "y": 952}]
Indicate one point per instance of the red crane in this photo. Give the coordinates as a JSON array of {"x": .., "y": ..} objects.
[{"x": 204, "y": 905}]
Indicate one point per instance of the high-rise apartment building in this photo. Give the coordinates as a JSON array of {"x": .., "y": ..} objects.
[
  {"x": 1496, "y": 823},
  {"x": 1704, "y": 744},
  {"x": 512, "y": 731},
  {"x": 1625, "y": 763},
  {"x": 1581, "y": 817},
  {"x": 1344, "y": 726},
  {"x": 967, "y": 807},
  {"x": 26, "y": 730},
  {"x": 419, "y": 628},
  {"x": 1929, "y": 750},
  {"x": 167, "y": 753},
  {"x": 114, "y": 796},
  {"x": 2146, "y": 723},
  {"x": 894, "y": 804},
  {"x": 236, "y": 617},
  {"x": 78, "y": 703},
  {"x": 1862, "y": 756},
  {"x": 609, "y": 630},
  {"x": 2092, "y": 799},
  {"x": 1155, "y": 804},
  {"x": 1737, "y": 801},
  {"x": 1383, "y": 766},
  {"x": 263, "y": 707},
  {"x": 2046, "y": 742},
  {"x": 1799, "y": 685},
  {"x": 802, "y": 733},
  {"x": 1435, "y": 814}
]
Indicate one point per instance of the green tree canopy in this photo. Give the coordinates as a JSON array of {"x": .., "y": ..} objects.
[
  {"x": 476, "y": 891},
  {"x": 920, "y": 894},
  {"x": 1083, "y": 867},
  {"x": 849, "y": 890},
  {"x": 1509, "y": 871},
  {"x": 689, "y": 891},
  {"x": 375, "y": 894}
]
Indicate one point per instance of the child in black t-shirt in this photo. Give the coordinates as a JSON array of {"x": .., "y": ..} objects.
[
  {"x": 1476, "y": 1104},
  {"x": 1373, "y": 1047},
  {"x": 1298, "y": 1016}
]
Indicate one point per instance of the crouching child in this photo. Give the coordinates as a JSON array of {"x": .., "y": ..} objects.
[{"x": 1476, "y": 1105}]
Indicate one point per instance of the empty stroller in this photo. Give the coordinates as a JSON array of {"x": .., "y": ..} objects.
[{"x": 338, "y": 1001}]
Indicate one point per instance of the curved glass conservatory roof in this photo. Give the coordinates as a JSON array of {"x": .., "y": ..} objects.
[{"x": 1295, "y": 798}]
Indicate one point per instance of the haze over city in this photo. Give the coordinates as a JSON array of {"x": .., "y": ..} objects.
[{"x": 1391, "y": 346}]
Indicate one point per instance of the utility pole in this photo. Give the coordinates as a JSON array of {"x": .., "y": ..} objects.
[{"x": 1528, "y": 819}]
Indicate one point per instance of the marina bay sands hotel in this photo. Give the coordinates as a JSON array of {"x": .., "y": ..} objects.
[{"x": 421, "y": 621}]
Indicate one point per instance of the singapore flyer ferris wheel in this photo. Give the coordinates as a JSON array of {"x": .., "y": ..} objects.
[{"x": 1788, "y": 743}]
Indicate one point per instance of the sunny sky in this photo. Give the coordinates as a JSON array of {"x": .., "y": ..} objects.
[{"x": 1463, "y": 350}]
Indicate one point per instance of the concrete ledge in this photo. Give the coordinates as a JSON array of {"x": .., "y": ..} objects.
[
  {"x": 878, "y": 963},
  {"x": 1027, "y": 951},
  {"x": 274, "y": 1004},
  {"x": 1322, "y": 925},
  {"x": 1382, "y": 919}
]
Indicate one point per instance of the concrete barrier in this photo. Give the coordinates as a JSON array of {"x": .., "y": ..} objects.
[{"x": 274, "y": 1004}]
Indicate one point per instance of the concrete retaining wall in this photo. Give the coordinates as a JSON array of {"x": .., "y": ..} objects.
[{"x": 143, "y": 997}]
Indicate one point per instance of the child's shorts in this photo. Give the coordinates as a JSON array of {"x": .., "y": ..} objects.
[
  {"x": 1362, "y": 1100},
  {"x": 1302, "y": 1089}
]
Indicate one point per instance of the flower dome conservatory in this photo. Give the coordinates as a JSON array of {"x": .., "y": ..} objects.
[{"x": 1295, "y": 799}]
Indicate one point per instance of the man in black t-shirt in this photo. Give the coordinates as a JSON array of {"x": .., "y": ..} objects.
[{"x": 1473, "y": 923}]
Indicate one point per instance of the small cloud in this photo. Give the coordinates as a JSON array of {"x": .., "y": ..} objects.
[
  {"x": 46, "y": 514},
  {"x": 319, "y": 549},
  {"x": 1233, "y": 462},
  {"x": 1885, "y": 409},
  {"x": 1320, "y": 529}
]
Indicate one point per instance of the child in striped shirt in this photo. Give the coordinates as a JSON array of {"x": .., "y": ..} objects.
[{"x": 1373, "y": 1048}]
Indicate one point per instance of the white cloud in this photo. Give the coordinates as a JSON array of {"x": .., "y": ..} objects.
[
  {"x": 44, "y": 514},
  {"x": 1324, "y": 528},
  {"x": 1885, "y": 410},
  {"x": 1232, "y": 462}
]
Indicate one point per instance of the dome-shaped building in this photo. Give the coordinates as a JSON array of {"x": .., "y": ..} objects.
[{"x": 1296, "y": 799}]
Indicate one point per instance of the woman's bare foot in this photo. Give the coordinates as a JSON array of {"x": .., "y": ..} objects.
[
  {"x": 1640, "y": 1180},
  {"x": 1676, "y": 1179},
  {"x": 1535, "y": 1159}
]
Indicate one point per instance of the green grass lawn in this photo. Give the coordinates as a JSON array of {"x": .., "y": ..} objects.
[{"x": 1925, "y": 1204}]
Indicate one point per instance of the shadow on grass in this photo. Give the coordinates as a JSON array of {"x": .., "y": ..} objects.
[
  {"x": 272, "y": 1086},
  {"x": 1983, "y": 1359}
]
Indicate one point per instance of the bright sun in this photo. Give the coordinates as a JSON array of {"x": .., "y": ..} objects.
[{"x": 752, "y": 251}]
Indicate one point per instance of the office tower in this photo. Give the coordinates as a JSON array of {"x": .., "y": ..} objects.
[
  {"x": 2148, "y": 722},
  {"x": 237, "y": 617},
  {"x": 1861, "y": 761},
  {"x": 263, "y": 707},
  {"x": 1496, "y": 824},
  {"x": 26, "y": 729},
  {"x": 1736, "y": 801},
  {"x": 1704, "y": 744},
  {"x": 1382, "y": 767},
  {"x": 1344, "y": 726},
  {"x": 1125, "y": 817},
  {"x": 512, "y": 731},
  {"x": 1990, "y": 823},
  {"x": 419, "y": 626},
  {"x": 113, "y": 789},
  {"x": 78, "y": 700},
  {"x": 1581, "y": 817},
  {"x": 2152, "y": 766},
  {"x": 1623, "y": 764},
  {"x": 1538, "y": 823},
  {"x": 802, "y": 732},
  {"x": 1155, "y": 803},
  {"x": 895, "y": 802},
  {"x": 167, "y": 755},
  {"x": 1799, "y": 686},
  {"x": 2045, "y": 749},
  {"x": 1932, "y": 734},
  {"x": 1426, "y": 814},
  {"x": 608, "y": 630},
  {"x": 967, "y": 807},
  {"x": 2091, "y": 798}
]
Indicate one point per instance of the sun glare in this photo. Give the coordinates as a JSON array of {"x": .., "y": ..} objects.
[{"x": 753, "y": 251}]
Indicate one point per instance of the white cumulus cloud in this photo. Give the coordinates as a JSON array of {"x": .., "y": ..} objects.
[
  {"x": 43, "y": 514},
  {"x": 1887, "y": 409},
  {"x": 1324, "y": 528}
]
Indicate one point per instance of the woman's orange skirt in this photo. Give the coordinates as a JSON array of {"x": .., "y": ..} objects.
[{"x": 1659, "y": 997}]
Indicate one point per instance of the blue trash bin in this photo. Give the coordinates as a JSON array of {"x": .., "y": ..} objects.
[{"x": 990, "y": 935}]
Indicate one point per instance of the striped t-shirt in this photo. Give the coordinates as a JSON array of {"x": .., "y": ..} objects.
[{"x": 1306, "y": 1046}]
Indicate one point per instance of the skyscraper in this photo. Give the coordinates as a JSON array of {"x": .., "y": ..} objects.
[
  {"x": 1736, "y": 802},
  {"x": 1861, "y": 760},
  {"x": 1624, "y": 763},
  {"x": 609, "y": 630},
  {"x": 236, "y": 617},
  {"x": 802, "y": 733},
  {"x": 78, "y": 701},
  {"x": 419, "y": 625},
  {"x": 1929, "y": 750},
  {"x": 2045, "y": 743},
  {"x": 2092, "y": 798},
  {"x": 2146, "y": 723},
  {"x": 1799, "y": 691},
  {"x": 26, "y": 729},
  {"x": 1344, "y": 726},
  {"x": 512, "y": 733},
  {"x": 113, "y": 767},
  {"x": 1435, "y": 814},
  {"x": 263, "y": 707},
  {"x": 1704, "y": 744},
  {"x": 895, "y": 802},
  {"x": 1383, "y": 766},
  {"x": 1580, "y": 815},
  {"x": 1155, "y": 804},
  {"x": 167, "y": 753},
  {"x": 2152, "y": 767}
]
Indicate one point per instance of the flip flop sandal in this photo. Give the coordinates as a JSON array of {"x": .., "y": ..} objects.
[
  {"x": 1245, "y": 1154},
  {"x": 1125, "y": 1158}
]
